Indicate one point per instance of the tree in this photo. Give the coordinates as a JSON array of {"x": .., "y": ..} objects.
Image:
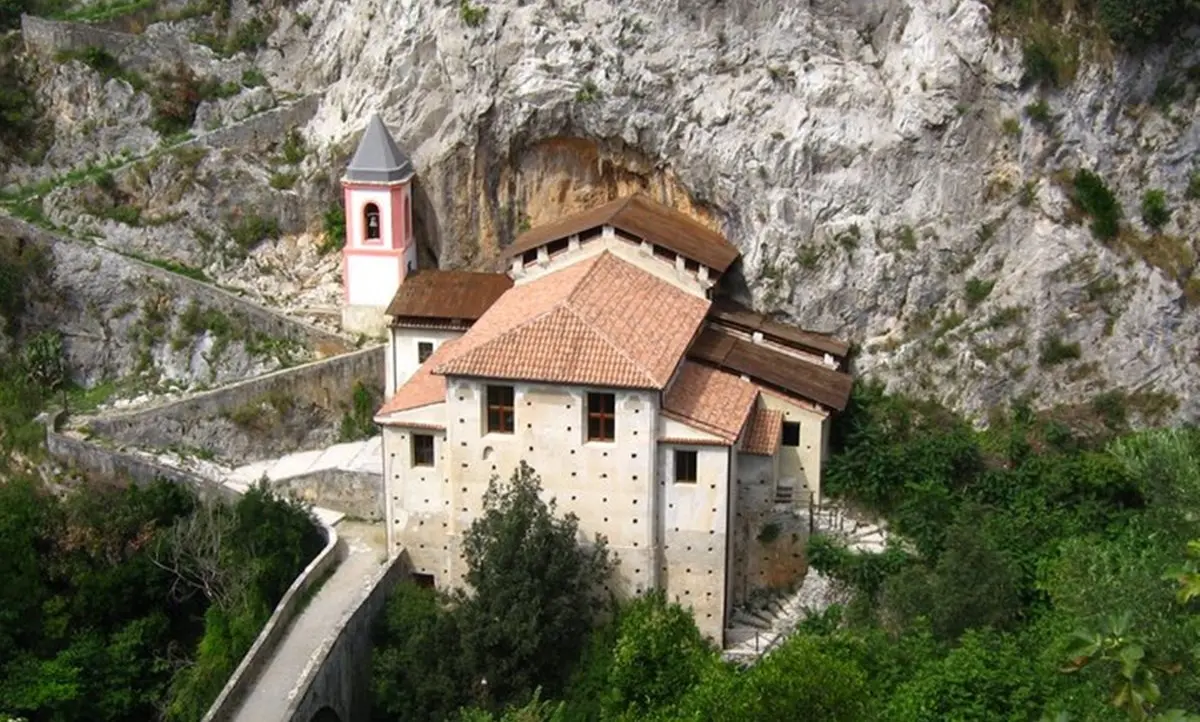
[
  {"x": 43, "y": 360},
  {"x": 534, "y": 591}
]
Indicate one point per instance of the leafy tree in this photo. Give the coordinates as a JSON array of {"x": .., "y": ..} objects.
[{"x": 532, "y": 585}]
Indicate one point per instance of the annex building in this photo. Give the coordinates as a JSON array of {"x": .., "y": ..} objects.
[{"x": 670, "y": 420}]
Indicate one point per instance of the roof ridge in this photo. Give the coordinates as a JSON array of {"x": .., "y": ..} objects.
[{"x": 568, "y": 307}]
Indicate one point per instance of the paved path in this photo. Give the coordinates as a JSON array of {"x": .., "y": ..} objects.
[
  {"x": 275, "y": 686},
  {"x": 357, "y": 456}
]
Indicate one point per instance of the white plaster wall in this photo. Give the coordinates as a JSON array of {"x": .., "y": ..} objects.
[
  {"x": 754, "y": 482},
  {"x": 372, "y": 279},
  {"x": 623, "y": 249},
  {"x": 357, "y": 199},
  {"x": 800, "y": 467},
  {"x": 609, "y": 486},
  {"x": 402, "y": 352},
  {"x": 416, "y": 495},
  {"x": 693, "y": 525},
  {"x": 671, "y": 429}
]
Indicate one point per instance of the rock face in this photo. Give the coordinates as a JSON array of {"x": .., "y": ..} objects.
[{"x": 875, "y": 163}]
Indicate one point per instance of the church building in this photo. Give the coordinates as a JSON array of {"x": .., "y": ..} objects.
[{"x": 669, "y": 419}]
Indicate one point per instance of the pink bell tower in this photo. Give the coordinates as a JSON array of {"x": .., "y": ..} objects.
[{"x": 380, "y": 249}]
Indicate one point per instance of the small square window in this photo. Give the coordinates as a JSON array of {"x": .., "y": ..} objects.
[
  {"x": 791, "y": 433},
  {"x": 422, "y": 450},
  {"x": 601, "y": 415},
  {"x": 500, "y": 409},
  {"x": 424, "y": 351},
  {"x": 685, "y": 467}
]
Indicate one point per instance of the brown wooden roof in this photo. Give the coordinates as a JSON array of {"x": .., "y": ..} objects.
[
  {"x": 644, "y": 218},
  {"x": 448, "y": 295},
  {"x": 732, "y": 313},
  {"x": 808, "y": 380}
]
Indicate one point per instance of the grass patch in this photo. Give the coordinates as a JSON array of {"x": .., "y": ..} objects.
[
  {"x": 83, "y": 400},
  {"x": 1005, "y": 317},
  {"x": 1038, "y": 112},
  {"x": 294, "y": 148},
  {"x": 104, "y": 11},
  {"x": 587, "y": 92},
  {"x": 253, "y": 78}
]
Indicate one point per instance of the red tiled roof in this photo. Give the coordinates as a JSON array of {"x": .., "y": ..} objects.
[
  {"x": 763, "y": 432},
  {"x": 600, "y": 322},
  {"x": 713, "y": 400},
  {"x": 423, "y": 387}
]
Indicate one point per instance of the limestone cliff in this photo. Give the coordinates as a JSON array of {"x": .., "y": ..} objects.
[{"x": 878, "y": 163}]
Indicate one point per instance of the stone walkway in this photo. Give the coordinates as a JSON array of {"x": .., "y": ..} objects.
[
  {"x": 759, "y": 629},
  {"x": 357, "y": 456},
  {"x": 276, "y": 684}
]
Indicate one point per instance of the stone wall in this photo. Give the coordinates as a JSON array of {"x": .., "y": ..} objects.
[
  {"x": 136, "y": 52},
  {"x": 225, "y": 706},
  {"x": 260, "y": 317},
  {"x": 354, "y": 493},
  {"x": 262, "y": 418},
  {"x": 264, "y": 129},
  {"x": 110, "y": 464},
  {"x": 339, "y": 675}
]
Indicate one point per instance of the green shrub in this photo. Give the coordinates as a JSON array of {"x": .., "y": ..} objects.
[
  {"x": 253, "y": 78},
  {"x": 359, "y": 421},
  {"x": 19, "y": 109},
  {"x": 1193, "y": 188},
  {"x": 1039, "y": 112},
  {"x": 587, "y": 92},
  {"x": 334, "y": 227},
  {"x": 1094, "y": 198},
  {"x": 251, "y": 230},
  {"x": 283, "y": 180},
  {"x": 294, "y": 148},
  {"x": 1011, "y": 126},
  {"x": 1055, "y": 351},
  {"x": 473, "y": 15},
  {"x": 977, "y": 290},
  {"x": 248, "y": 37},
  {"x": 1155, "y": 212}
]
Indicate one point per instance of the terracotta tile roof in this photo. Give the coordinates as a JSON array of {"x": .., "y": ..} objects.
[
  {"x": 448, "y": 295},
  {"x": 807, "y": 380},
  {"x": 712, "y": 399},
  {"x": 599, "y": 322},
  {"x": 763, "y": 432},
  {"x": 423, "y": 387},
  {"x": 646, "y": 219},
  {"x": 729, "y": 312}
]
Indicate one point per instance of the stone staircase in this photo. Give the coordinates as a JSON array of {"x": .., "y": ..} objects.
[{"x": 764, "y": 623}]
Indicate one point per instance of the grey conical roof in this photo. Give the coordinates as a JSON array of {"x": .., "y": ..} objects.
[{"x": 378, "y": 159}]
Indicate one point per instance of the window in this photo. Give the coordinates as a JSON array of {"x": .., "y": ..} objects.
[
  {"x": 371, "y": 219},
  {"x": 424, "y": 351},
  {"x": 791, "y": 433},
  {"x": 422, "y": 450},
  {"x": 685, "y": 466},
  {"x": 602, "y": 422},
  {"x": 500, "y": 409},
  {"x": 424, "y": 581}
]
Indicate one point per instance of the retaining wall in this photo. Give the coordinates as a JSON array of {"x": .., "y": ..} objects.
[
  {"x": 316, "y": 396},
  {"x": 264, "y": 129},
  {"x": 354, "y": 493},
  {"x": 225, "y": 706},
  {"x": 260, "y": 317},
  {"x": 137, "y": 52},
  {"x": 339, "y": 675},
  {"x": 112, "y": 464}
]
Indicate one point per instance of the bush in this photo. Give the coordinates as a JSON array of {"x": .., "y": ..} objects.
[
  {"x": 1193, "y": 188},
  {"x": 294, "y": 148},
  {"x": 249, "y": 37},
  {"x": 1039, "y": 112},
  {"x": 19, "y": 109},
  {"x": 359, "y": 421},
  {"x": 283, "y": 180},
  {"x": 334, "y": 228},
  {"x": 251, "y": 230},
  {"x": 473, "y": 15},
  {"x": 1094, "y": 198},
  {"x": 1155, "y": 212},
  {"x": 977, "y": 290},
  {"x": 253, "y": 78},
  {"x": 1055, "y": 351}
]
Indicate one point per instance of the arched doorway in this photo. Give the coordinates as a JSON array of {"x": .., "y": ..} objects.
[
  {"x": 371, "y": 221},
  {"x": 326, "y": 714}
]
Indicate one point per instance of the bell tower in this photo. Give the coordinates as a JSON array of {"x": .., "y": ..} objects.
[{"x": 380, "y": 249}]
